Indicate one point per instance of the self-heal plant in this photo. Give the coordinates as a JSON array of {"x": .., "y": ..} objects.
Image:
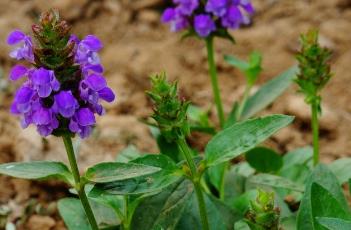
[
  {"x": 171, "y": 118},
  {"x": 314, "y": 75},
  {"x": 61, "y": 93},
  {"x": 206, "y": 20}
]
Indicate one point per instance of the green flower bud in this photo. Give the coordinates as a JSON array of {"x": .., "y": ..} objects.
[{"x": 169, "y": 110}]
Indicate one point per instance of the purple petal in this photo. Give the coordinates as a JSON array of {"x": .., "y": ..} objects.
[
  {"x": 24, "y": 95},
  {"x": 17, "y": 72},
  {"x": 96, "y": 82},
  {"x": 42, "y": 117},
  {"x": 85, "y": 132},
  {"x": 204, "y": 25},
  {"x": 66, "y": 103},
  {"x": 107, "y": 94},
  {"x": 85, "y": 117},
  {"x": 92, "y": 43},
  {"x": 44, "y": 91},
  {"x": 44, "y": 130},
  {"x": 42, "y": 76},
  {"x": 15, "y": 37},
  {"x": 73, "y": 126},
  {"x": 168, "y": 15}
]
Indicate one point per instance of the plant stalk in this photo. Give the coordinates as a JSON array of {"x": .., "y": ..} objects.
[
  {"x": 78, "y": 185},
  {"x": 214, "y": 80},
  {"x": 196, "y": 181},
  {"x": 126, "y": 222},
  {"x": 315, "y": 132}
]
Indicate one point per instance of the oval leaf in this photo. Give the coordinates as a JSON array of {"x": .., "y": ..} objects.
[
  {"x": 264, "y": 159},
  {"x": 268, "y": 93},
  {"x": 37, "y": 170},
  {"x": 72, "y": 212},
  {"x": 117, "y": 171},
  {"x": 275, "y": 181},
  {"x": 243, "y": 136},
  {"x": 169, "y": 174},
  {"x": 334, "y": 223}
]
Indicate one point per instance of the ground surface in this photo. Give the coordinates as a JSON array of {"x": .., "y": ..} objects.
[{"x": 136, "y": 45}]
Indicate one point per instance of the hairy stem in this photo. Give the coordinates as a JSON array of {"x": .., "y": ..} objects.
[
  {"x": 196, "y": 181},
  {"x": 78, "y": 185},
  {"x": 214, "y": 80},
  {"x": 315, "y": 132}
]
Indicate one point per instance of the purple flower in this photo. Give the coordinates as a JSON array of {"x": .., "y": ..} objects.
[
  {"x": 204, "y": 25},
  {"x": 176, "y": 20},
  {"x": 82, "y": 122},
  {"x": 186, "y": 7},
  {"x": 17, "y": 72},
  {"x": 57, "y": 101},
  {"x": 44, "y": 82},
  {"x": 45, "y": 120},
  {"x": 65, "y": 104},
  {"x": 24, "y": 50},
  {"x": 217, "y": 7},
  {"x": 233, "y": 18}
]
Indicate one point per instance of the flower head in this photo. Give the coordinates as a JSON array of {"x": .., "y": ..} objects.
[
  {"x": 64, "y": 88},
  {"x": 208, "y": 17}
]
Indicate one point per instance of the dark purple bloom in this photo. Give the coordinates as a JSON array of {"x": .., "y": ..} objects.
[
  {"x": 23, "y": 99},
  {"x": 44, "y": 82},
  {"x": 82, "y": 122},
  {"x": 17, "y": 72},
  {"x": 45, "y": 120},
  {"x": 186, "y": 7},
  {"x": 217, "y": 7},
  {"x": 233, "y": 18},
  {"x": 204, "y": 25},
  {"x": 209, "y": 16},
  {"x": 65, "y": 104},
  {"x": 176, "y": 20},
  {"x": 24, "y": 50}
]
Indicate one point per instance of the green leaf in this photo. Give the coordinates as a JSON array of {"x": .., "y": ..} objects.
[
  {"x": 128, "y": 154},
  {"x": 220, "y": 216},
  {"x": 334, "y": 223},
  {"x": 169, "y": 149},
  {"x": 268, "y": 93},
  {"x": 300, "y": 156},
  {"x": 73, "y": 214},
  {"x": 236, "y": 62},
  {"x": 275, "y": 182},
  {"x": 264, "y": 159},
  {"x": 37, "y": 170},
  {"x": 169, "y": 174},
  {"x": 322, "y": 184},
  {"x": 117, "y": 171},
  {"x": 242, "y": 202},
  {"x": 241, "y": 225},
  {"x": 341, "y": 169},
  {"x": 243, "y": 136},
  {"x": 163, "y": 210}
]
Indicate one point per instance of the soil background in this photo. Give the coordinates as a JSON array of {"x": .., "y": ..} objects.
[{"x": 137, "y": 45}]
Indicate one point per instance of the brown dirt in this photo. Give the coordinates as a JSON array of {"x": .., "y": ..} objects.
[{"x": 137, "y": 45}]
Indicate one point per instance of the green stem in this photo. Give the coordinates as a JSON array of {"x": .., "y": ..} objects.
[
  {"x": 196, "y": 181},
  {"x": 315, "y": 131},
  {"x": 214, "y": 80},
  {"x": 126, "y": 215},
  {"x": 78, "y": 185}
]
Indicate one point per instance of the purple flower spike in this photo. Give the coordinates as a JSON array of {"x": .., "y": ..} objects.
[
  {"x": 57, "y": 100},
  {"x": 217, "y": 7},
  {"x": 204, "y": 25},
  {"x": 65, "y": 104},
  {"x": 44, "y": 82},
  {"x": 17, "y": 72}
]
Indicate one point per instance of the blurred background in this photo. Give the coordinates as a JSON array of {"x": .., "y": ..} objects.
[{"x": 136, "y": 45}]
